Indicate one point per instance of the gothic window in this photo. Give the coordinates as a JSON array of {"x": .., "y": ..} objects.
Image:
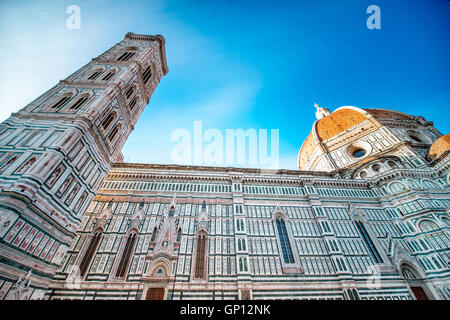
[
  {"x": 113, "y": 133},
  {"x": 109, "y": 119},
  {"x": 61, "y": 101},
  {"x": 369, "y": 243},
  {"x": 284, "y": 241},
  {"x": 79, "y": 103},
  {"x": 427, "y": 225},
  {"x": 126, "y": 255},
  {"x": 154, "y": 234},
  {"x": 353, "y": 294},
  {"x": 108, "y": 76},
  {"x": 95, "y": 75},
  {"x": 92, "y": 247},
  {"x": 126, "y": 56},
  {"x": 129, "y": 92},
  {"x": 147, "y": 74},
  {"x": 133, "y": 103},
  {"x": 243, "y": 264},
  {"x": 199, "y": 271}
]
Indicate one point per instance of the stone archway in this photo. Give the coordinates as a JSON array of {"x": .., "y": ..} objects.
[{"x": 415, "y": 282}]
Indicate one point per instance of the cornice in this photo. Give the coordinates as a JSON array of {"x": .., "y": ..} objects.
[{"x": 159, "y": 38}]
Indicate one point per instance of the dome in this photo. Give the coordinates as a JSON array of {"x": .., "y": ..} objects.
[
  {"x": 337, "y": 122},
  {"x": 441, "y": 145},
  {"x": 340, "y": 120}
]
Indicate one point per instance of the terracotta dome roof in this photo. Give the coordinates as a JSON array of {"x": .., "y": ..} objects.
[
  {"x": 338, "y": 121},
  {"x": 439, "y": 147},
  {"x": 306, "y": 151}
]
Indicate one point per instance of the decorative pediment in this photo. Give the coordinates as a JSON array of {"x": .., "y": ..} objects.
[{"x": 278, "y": 211}]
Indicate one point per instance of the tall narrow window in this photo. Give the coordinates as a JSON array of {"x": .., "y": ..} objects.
[
  {"x": 200, "y": 257},
  {"x": 108, "y": 76},
  {"x": 154, "y": 234},
  {"x": 79, "y": 103},
  {"x": 133, "y": 103},
  {"x": 61, "y": 102},
  {"x": 284, "y": 241},
  {"x": 370, "y": 245},
  {"x": 95, "y": 75},
  {"x": 147, "y": 74},
  {"x": 113, "y": 133},
  {"x": 126, "y": 254},
  {"x": 108, "y": 121},
  {"x": 95, "y": 239},
  {"x": 126, "y": 56},
  {"x": 179, "y": 235},
  {"x": 129, "y": 92}
]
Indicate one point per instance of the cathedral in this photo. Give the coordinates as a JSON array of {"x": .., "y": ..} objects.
[{"x": 365, "y": 216}]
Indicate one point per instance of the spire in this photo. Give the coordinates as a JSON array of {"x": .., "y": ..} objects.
[{"x": 321, "y": 112}]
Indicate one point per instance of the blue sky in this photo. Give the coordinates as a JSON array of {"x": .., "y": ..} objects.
[{"x": 241, "y": 64}]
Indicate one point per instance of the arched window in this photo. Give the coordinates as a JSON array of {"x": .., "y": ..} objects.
[
  {"x": 126, "y": 255},
  {"x": 126, "y": 56},
  {"x": 129, "y": 92},
  {"x": 179, "y": 235},
  {"x": 79, "y": 102},
  {"x": 108, "y": 120},
  {"x": 199, "y": 272},
  {"x": 62, "y": 101},
  {"x": 108, "y": 76},
  {"x": 396, "y": 187},
  {"x": 370, "y": 245},
  {"x": 284, "y": 241},
  {"x": 243, "y": 264},
  {"x": 95, "y": 75},
  {"x": 147, "y": 74},
  {"x": 133, "y": 103},
  {"x": 154, "y": 234},
  {"x": 392, "y": 164},
  {"x": 89, "y": 253},
  {"x": 427, "y": 225},
  {"x": 376, "y": 168},
  {"x": 113, "y": 133}
]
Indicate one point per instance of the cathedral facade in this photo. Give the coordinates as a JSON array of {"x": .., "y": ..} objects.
[{"x": 366, "y": 216}]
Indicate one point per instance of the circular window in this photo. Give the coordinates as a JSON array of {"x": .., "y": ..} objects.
[
  {"x": 363, "y": 174},
  {"x": 359, "y": 149},
  {"x": 418, "y": 137},
  {"x": 358, "y": 153}
]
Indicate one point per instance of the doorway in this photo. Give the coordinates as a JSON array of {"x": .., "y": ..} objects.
[
  {"x": 155, "y": 294},
  {"x": 415, "y": 282}
]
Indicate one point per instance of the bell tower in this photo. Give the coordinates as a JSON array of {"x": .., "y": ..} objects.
[{"x": 56, "y": 151}]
